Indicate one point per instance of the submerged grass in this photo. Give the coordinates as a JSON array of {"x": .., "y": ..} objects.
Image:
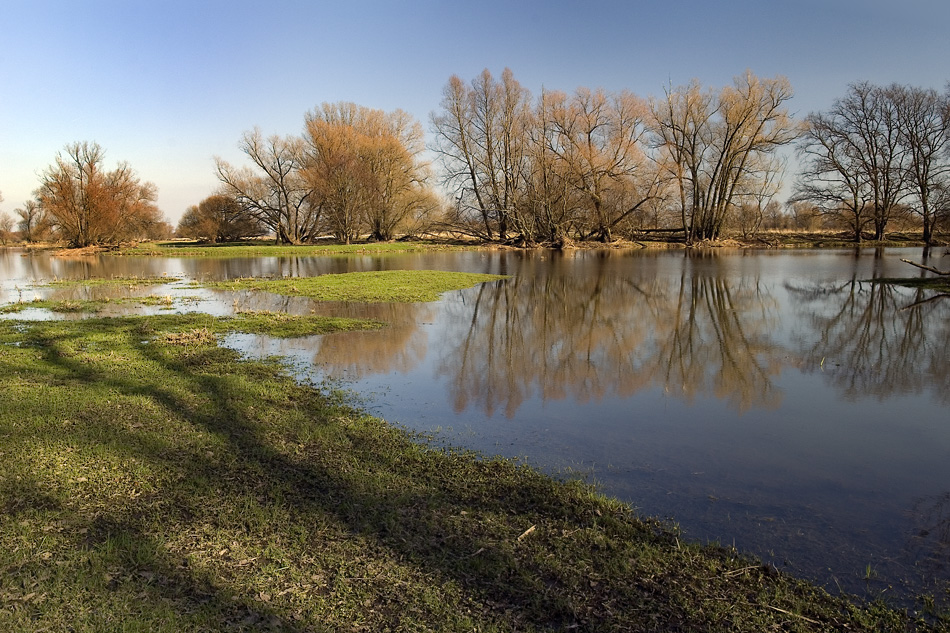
[
  {"x": 92, "y": 306},
  {"x": 63, "y": 306},
  {"x": 373, "y": 287},
  {"x": 151, "y": 480},
  {"x": 131, "y": 282}
]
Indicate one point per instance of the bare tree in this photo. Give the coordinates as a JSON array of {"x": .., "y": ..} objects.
[
  {"x": 550, "y": 200},
  {"x": 6, "y": 227},
  {"x": 33, "y": 224},
  {"x": 855, "y": 160},
  {"x": 714, "y": 146},
  {"x": 598, "y": 137},
  {"x": 89, "y": 205},
  {"x": 924, "y": 131},
  {"x": 481, "y": 138},
  {"x": 884, "y": 156},
  {"x": 759, "y": 201},
  {"x": 218, "y": 218},
  {"x": 830, "y": 176},
  {"x": 274, "y": 191},
  {"x": 366, "y": 170}
]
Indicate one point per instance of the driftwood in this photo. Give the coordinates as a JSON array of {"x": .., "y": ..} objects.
[{"x": 927, "y": 268}]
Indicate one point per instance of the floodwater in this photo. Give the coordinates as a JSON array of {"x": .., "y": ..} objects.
[{"x": 775, "y": 401}]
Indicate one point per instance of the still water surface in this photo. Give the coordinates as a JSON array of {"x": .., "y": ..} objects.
[{"x": 775, "y": 401}]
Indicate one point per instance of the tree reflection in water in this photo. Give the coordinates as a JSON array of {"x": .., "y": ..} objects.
[
  {"x": 600, "y": 334},
  {"x": 876, "y": 339}
]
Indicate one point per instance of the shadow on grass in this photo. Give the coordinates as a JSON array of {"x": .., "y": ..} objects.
[{"x": 266, "y": 504}]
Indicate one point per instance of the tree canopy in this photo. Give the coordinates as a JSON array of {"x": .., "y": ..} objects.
[
  {"x": 89, "y": 205},
  {"x": 218, "y": 218}
]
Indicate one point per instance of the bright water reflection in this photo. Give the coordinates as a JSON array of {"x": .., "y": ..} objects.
[{"x": 777, "y": 401}]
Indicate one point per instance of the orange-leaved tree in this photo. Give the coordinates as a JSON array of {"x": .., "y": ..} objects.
[{"x": 89, "y": 205}]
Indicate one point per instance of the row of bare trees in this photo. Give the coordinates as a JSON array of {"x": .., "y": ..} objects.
[
  {"x": 879, "y": 151},
  {"x": 355, "y": 171},
  {"x": 587, "y": 164}
]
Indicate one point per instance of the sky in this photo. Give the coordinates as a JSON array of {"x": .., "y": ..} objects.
[{"x": 168, "y": 85}]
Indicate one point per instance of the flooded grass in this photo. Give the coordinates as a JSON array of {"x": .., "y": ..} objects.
[
  {"x": 94, "y": 306},
  {"x": 130, "y": 282},
  {"x": 152, "y": 480},
  {"x": 64, "y": 306},
  {"x": 390, "y": 286}
]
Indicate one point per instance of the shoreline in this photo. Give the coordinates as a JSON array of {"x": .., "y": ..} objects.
[
  {"x": 184, "y": 488},
  {"x": 763, "y": 240}
]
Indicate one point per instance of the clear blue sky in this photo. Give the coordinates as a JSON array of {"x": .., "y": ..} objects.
[{"x": 168, "y": 84}]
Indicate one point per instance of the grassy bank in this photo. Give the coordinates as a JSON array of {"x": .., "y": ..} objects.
[
  {"x": 269, "y": 249},
  {"x": 152, "y": 480}
]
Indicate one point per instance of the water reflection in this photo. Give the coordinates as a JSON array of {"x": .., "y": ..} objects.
[
  {"x": 399, "y": 347},
  {"x": 876, "y": 339},
  {"x": 559, "y": 334},
  {"x": 781, "y": 401},
  {"x": 929, "y": 546}
]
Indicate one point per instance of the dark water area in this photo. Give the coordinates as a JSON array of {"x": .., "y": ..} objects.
[{"x": 777, "y": 401}]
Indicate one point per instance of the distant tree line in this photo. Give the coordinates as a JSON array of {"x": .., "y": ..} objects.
[
  {"x": 592, "y": 164},
  {"x": 877, "y": 154},
  {"x": 696, "y": 162}
]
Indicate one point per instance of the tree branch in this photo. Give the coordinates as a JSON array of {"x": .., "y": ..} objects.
[{"x": 927, "y": 268}]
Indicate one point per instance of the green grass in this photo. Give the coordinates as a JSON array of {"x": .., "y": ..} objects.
[
  {"x": 269, "y": 249},
  {"x": 64, "y": 306},
  {"x": 372, "y": 287},
  {"x": 153, "y": 481}
]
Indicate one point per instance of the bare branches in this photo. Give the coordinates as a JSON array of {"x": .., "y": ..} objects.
[
  {"x": 275, "y": 192},
  {"x": 364, "y": 168},
  {"x": 718, "y": 147},
  {"x": 90, "y": 206},
  {"x": 927, "y": 268},
  {"x": 877, "y": 150}
]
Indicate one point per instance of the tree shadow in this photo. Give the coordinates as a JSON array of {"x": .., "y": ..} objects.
[{"x": 392, "y": 496}]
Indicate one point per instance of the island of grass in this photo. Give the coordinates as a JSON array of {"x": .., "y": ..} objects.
[
  {"x": 131, "y": 282},
  {"x": 386, "y": 286}
]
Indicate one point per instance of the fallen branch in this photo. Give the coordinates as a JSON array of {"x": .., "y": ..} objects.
[
  {"x": 527, "y": 532},
  {"x": 794, "y": 615},
  {"x": 927, "y": 268}
]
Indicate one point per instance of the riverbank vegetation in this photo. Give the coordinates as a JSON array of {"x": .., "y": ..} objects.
[
  {"x": 268, "y": 248},
  {"x": 694, "y": 164},
  {"x": 154, "y": 480}
]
